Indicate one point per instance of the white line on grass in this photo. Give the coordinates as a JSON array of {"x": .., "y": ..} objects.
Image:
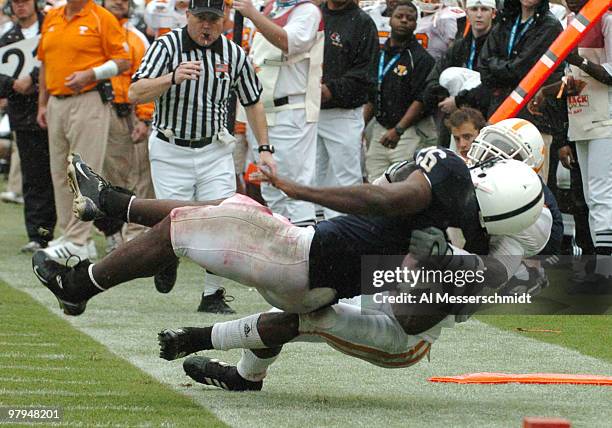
[
  {"x": 35, "y": 345},
  {"x": 35, "y": 356},
  {"x": 67, "y": 382},
  {"x": 62, "y": 393}
]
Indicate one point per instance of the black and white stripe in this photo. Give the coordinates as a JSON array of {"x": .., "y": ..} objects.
[{"x": 198, "y": 108}]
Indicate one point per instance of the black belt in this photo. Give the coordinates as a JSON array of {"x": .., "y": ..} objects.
[
  {"x": 63, "y": 97},
  {"x": 194, "y": 144},
  {"x": 281, "y": 101}
]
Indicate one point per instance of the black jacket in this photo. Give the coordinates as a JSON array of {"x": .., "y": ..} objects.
[
  {"x": 502, "y": 73},
  {"x": 21, "y": 109},
  {"x": 350, "y": 58},
  {"x": 457, "y": 55}
]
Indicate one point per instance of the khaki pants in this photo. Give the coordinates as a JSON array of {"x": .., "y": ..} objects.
[
  {"x": 379, "y": 158},
  {"x": 77, "y": 124},
  {"x": 139, "y": 182}
]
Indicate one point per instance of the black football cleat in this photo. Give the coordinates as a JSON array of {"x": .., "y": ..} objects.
[
  {"x": 177, "y": 343},
  {"x": 86, "y": 186},
  {"x": 166, "y": 278},
  {"x": 58, "y": 279},
  {"x": 217, "y": 373},
  {"x": 216, "y": 303}
]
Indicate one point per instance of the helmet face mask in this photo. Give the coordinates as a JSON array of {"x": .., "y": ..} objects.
[{"x": 509, "y": 139}]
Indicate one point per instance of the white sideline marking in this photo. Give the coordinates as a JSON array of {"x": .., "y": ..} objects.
[
  {"x": 69, "y": 382},
  {"x": 18, "y": 367},
  {"x": 20, "y": 334},
  {"x": 36, "y": 356},
  {"x": 42, "y": 345},
  {"x": 63, "y": 393},
  {"x": 118, "y": 408}
]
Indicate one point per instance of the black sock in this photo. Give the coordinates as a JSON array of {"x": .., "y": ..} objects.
[
  {"x": 200, "y": 338},
  {"x": 115, "y": 203},
  {"x": 80, "y": 285}
]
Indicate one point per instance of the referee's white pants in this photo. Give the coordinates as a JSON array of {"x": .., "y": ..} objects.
[
  {"x": 187, "y": 174},
  {"x": 595, "y": 159},
  {"x": 295, "y": 142},
  {"x": 339, "y": 149}
]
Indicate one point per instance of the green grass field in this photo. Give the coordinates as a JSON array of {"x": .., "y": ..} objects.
[{"x": 103, "y": 369}]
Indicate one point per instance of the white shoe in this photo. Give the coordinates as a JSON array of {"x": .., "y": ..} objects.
[
  {"x": 66, "y": 249},
  {"x": 11, "y": 197}
]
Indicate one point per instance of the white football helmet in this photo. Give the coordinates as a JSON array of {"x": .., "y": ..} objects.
[
  {"x": 429, "y": 6},
  {"x": 509, "y": 139},
  {"x": 510, "y": 195}
]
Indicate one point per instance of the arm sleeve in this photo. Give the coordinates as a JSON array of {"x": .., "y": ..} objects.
[
  {"x": 247, "y": 85},
  {"x": 154, "y": 63},
  {"x": 302, "y": 27},
  {"x": 362, "y": 72},
  {"x": 499, "y": 71}
]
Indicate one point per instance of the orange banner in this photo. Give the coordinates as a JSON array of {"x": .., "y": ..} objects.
[{"x": 561, "y": 47}]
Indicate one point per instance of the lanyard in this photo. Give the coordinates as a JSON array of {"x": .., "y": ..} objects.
[
  {"x": 384, "y": 69},
  {"x": 470, "y": 61},
  {"x": 511, "y": 41}
]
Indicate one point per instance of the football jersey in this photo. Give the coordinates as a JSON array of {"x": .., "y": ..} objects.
[
  {"x": 338, "y": 244},
  {"x": 382, "y": 22},
  {"x": 436, "y": 31}
]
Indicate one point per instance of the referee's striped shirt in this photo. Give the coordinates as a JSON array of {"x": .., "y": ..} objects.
[{"x": 198, "y": 108}]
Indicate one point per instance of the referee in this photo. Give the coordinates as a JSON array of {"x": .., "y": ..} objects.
[{"x": 190, "y": 73}]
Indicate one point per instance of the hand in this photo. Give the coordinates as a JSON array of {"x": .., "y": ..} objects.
[
  {"x": 187, "y": 70},
  {"x": 535, "y": 104},
  {"x": 245, "y": 7},
  {"x": 140, "y": 131},
  {"x": 390, "y": 139},
  {"x": 281, "y": 184},
  {"x": 575, "y": 86},
  {"x": 267, "y": 161},
  {"x": 79, "y": 79},
  {"x": 326, "y": 94},
  {"x": 574, "y": 58},
  {"x": 41, "y": 116},
  {"x": 447, "y": 105},
  {"x": 428, "y": 242},
  {"x": 566, "y": 157},
  {"x": 24, "y": 85}
]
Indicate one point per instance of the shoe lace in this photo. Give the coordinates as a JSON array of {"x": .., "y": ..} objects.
[{"x": 225, "y": 297}]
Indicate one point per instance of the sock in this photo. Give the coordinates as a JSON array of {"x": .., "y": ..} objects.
[
  {"x": 82, "y": 284},
  {"x": 200, "y": 338},
  {"x": 240, "y": 333},
  {"x": 253, "y": 368},
  {"x": 213, "y": 283},
  {"x": 115, "y": 204},
  {"x": 521, "y": 273}
]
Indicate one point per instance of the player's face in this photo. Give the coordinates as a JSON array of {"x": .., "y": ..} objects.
[
  {"x": 464, "y": 136},
  {"x": 23, "y": 9},
  {"x": 119, "y": 8},
  {"x": 575, "y": 5},
  {"x": 481, "y": 18},
  {"x": 204, "y": 29},
  {"x": 403, "y": 21}
]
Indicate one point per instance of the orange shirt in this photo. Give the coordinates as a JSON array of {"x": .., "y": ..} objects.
[
  {"x": 89, "y": 39},
  {"x": 138, "y": 44}
]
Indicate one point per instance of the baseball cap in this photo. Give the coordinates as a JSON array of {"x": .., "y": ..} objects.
[
  {"x": 485, "y": 3},
  {"x": 197, "y": 7}
]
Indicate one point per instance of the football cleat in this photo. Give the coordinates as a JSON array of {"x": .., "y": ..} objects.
[
  {"x": 58, "y": 279},
  {"x": 174, "y": 344},
  {"x": 216, "y": 303},
  {"x": 86, "y": 186},
  {"x": 217, "y": 373}
]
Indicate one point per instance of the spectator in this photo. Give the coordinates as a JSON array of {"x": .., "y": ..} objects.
[
  {"x": 129, "y": 124},
  {"x": 524, "y": 33},
  {"x": 463, "y": 53},
  {"x": 32, "y": 141},
  {"x": 437, "y": 26},
  {"x": 288, "y": 52},
  {"x": 82, "y": 45},
  {"x": 190, "y": 72},
  {"x": 397, "y": 106},
  {"x": 465, "y": 124},
  {"x": 349, "y": 75}
]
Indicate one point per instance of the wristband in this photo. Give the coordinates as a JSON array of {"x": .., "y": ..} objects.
[
  {"x": 266, "y": 148},
  {"x": 399, "y": 130},
  {"x": 106, "y": 71}
]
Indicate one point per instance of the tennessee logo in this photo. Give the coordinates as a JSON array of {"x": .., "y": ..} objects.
[
  {"x": 336, "y": 39},
  {"x": 83, "y": 29},
  {"x": 401, "y": 70}
]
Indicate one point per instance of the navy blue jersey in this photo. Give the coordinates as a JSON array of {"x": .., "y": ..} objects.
[{"x": 339, "y": 243}]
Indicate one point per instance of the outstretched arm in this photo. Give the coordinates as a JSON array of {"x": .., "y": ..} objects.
[{"x": 407, "y": 197}]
